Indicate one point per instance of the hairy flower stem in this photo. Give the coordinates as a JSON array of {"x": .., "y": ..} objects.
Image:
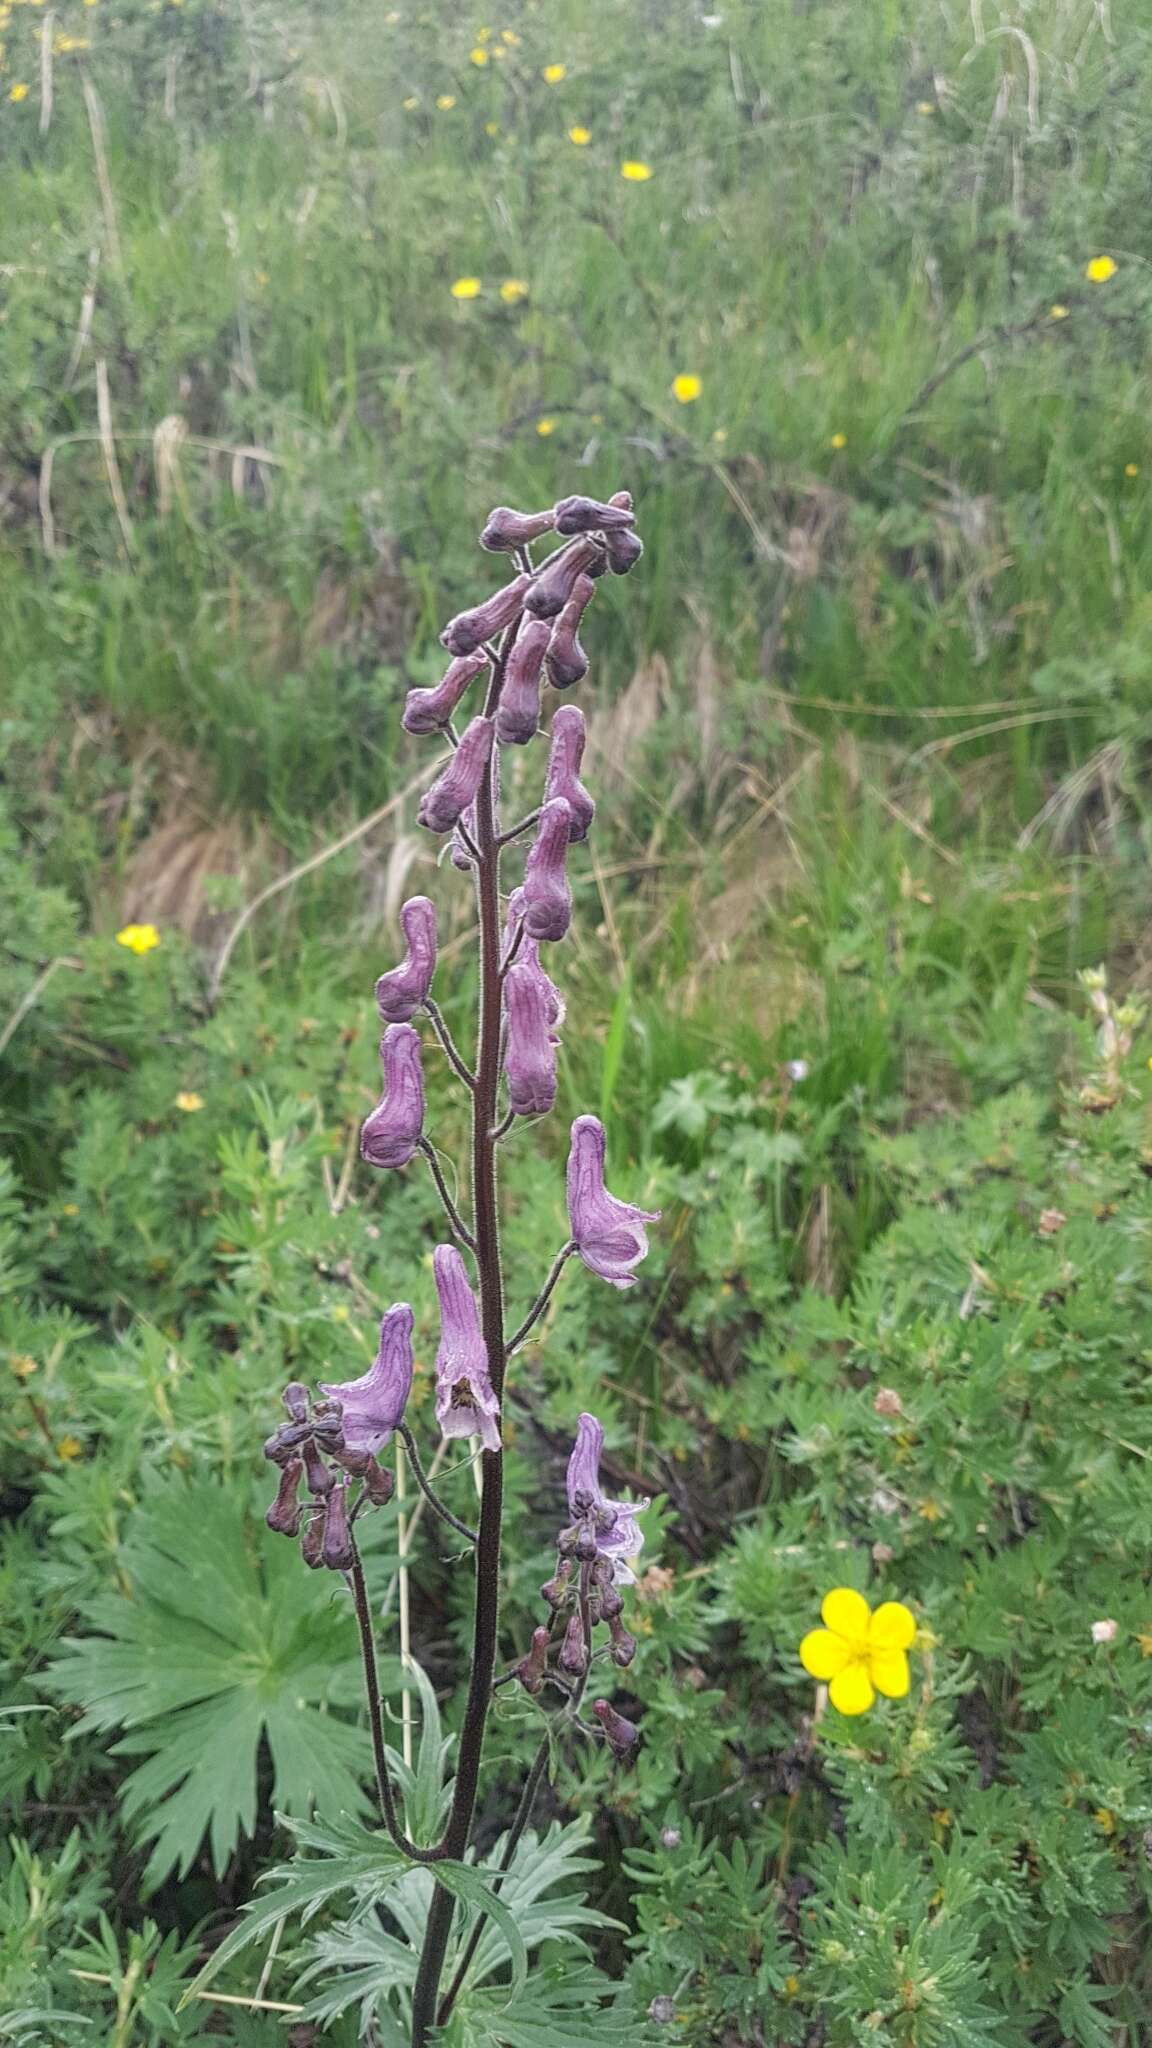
[
  {"x": 433, "y": 1012},
  {"x": 543, "y": 1298},
  {"x": 433, "y": 1499},
  {"x": 384, "y": 1790},
  {"x": 486, "y": 1221},
  {"x": 523, "y": 1816},
  {"x": 456, "y": 1221}
]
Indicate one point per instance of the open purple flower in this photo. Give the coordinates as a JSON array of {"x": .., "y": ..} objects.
[
  {"x": 400, "y": 993},
  {"x": 372, "y": 1405},
  {"x": 518, "y": 712},
  {"x": 566, "y": 662},
  {"x": 465, "y": 1402},
  {"x": 563, "y": 777},
  {"x": 393, "y": 1131},
  {"x": 430, "y": 710},
  {"x": 614, "y": 1522},
  {"x": 529, "y": 1048},
  {"x": 528, "y": 956},
  {"x": 444, "y": 804},
  {"x": 468, "y": 630},
  {"x": 547, "y": 897},
  {"x": 608, "y": 1234}
]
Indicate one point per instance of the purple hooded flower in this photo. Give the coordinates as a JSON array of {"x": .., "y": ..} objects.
[
  {"x": 528, "y": 956},
  {"x": 400, "y": 993},
  {"x": 624, "y": 551},
  {"x": 618, "y": 1537},
  {"x": 468, "y": 630},
  {"x": 622, "y": 1735},
  {"x": 337, "y": 1550},
  {"x": 608, "y": 1234},
  {"x": 430, "y": 710},
  {"x": 552, "y": 586},
  {"x": 563, "y": 777},
  {"x": 518, "y": 712},
  {"x": 465, "y": 1402},
  {"x": 393, "y": 1131},
  {"x": 529, "y": 1048},
  {"x": 547, "y": 897},
  {"x": 372, "y": 1405},
  {"x": 566, "y": 662},
  {"x": 588, "y": 515},
  {"x": 450, "y": 795},
  {"x": 506, "y": 528}
]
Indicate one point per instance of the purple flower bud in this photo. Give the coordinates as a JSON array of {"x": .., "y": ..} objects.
[
  {"x": 563, "y": 777},
  {"x": 284, "y": 1514},
  {"x": 392, "y": 1132},
  {"x": 295, "y": 1399},
  {"x": 613, "y": 1524},
  {"x": 528, "y": 955},
  {"x": 553, "y": 585},
  {"x": 400, "y": 993},
  {"x": 529, "y": 1049},
  {"x": 338, "y": 1552},
  {"x": 566, "y": 662},
  {"x": 574, "y": 1653},
  {"x": 532, "y": 1668},
  {"x": 623, "y": 1644},
  {"x": 506, "y": 529},
  {"x": 609, "y": 1234},
  {"x": 547, "y": 897},
  {"x": 588, "y": 515},
  {"x": 623, "y": 499},
  {"x": 312, "y": 1541},
  {"x": 450, "y": 795},
  {"x": 622, "y": 1735},
  {"x": 468, "y": 630},
  {"x": 465, "y": 1402},
  {"x": 430, "y": 710},
  {"x": 624, "y": 551},
  {"x": 518, "y": 712},
  {"x": 317, "y": 1477},
  {"x": 372, "y": 1405},
  {"x": 610, "y": 1602},
  {"x": 557, "y": 1591}
]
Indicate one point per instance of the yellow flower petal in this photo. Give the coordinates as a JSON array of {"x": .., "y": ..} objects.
[
  {"x": 509, "y": 36},
  {"x": 513, "y": 290},
  {"x": 580, "y": 136},
  {"x": 553, "y": 73},
  {"x": 545, "y": 427},
  {"x": 18, "y": 93},
  {"x": 851, "y": 1690},
  {"x": 1057, "y": 312},
  {"x": 466, "y": 288},
  {"x": 1100, "y": 270},
  {"x": 446, "y": 102},
  {"x": 491, "y": 127},
  {"x": 888, "y": 1670},
  {"x": 846, "y": 1613},
  {"x": 822, "y": 1654},
  {"x": 686, "y": 387},
  {"x": 635, "y": 172},
  {"x": 1131, "y": 469},
  {"x": 138, "y": 938},
  {"x": 892, "y": 1627},
  {"x": 478, "y": 56},
  {"x": 838, "y": 441},
  {"x": 189, "y": 1101}
]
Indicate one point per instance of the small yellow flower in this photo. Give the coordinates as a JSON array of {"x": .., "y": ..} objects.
[
  {"x": 70, "y": 1209},
  {"x": 1144, "y": 1640},
  {"x": 18, "y": 93},
  {"x": 139, "y": 938},
  {"x": 466, "y": 288},
  {"x": 686, "y": 387},
  {"x": 720, "y": 436},
  {"x": 22, "y": 1365},
  {"x": 545, "y": 427},
  {"x": 483, "y": 35},
  {"x": 509, "y": 36},
  {"x": 635, "y": 172},
  {"x": 791, "y": 1986},
  {"x": 189, "y": 1101},
  {"x": 1131, "y": 469},
  {"x": 491, "y": 127},
  {"x": 69, "y": 1447},
  {"x": 340, "y": 1312},
  {"x": 580, "y": 136},
  {"x": 838, "y": 441},
  {"x": 1105, "y": 1820},
  {"x": 553, "y": 73},
  {"x": 1100, "y": 270},
  {"x": 410, "y": 104},
  {"x": 1057, "y": 312},
  {"x": 858, "y": 1653},
  {"x": 925, "y": 106},
  {"x": 446, "y": 102},
  {"x": 513, "y": 290},
  {"x": 478, "y": 56}
]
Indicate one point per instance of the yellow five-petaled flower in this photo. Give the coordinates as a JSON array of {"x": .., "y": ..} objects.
[
  {"x": 552, "y": 74},
  {"x": 1100, "y": 269},
  {"x": 139, "y": 938},
  {"x": 859, "y": 1653}
]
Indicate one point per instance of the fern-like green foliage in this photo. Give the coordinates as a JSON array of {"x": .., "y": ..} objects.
[{"x": 216, "y": 1643}]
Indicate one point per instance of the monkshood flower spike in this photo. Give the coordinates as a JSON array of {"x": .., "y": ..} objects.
[
  {"x": 400, "y": 993},
  {"x": 392, "y": 1133},
  {"x": 465, "y": 1402},
  {"x": 490, "y": 696},
  {"x": 608, "y": 1234}
]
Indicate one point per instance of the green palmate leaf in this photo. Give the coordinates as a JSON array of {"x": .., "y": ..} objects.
[
  {"x": 217, "y": 1645},
  {"x": 565, "y": 2006},
  {"x": 467, "y": 1884},
  {"x": 529, "y": 1895}
]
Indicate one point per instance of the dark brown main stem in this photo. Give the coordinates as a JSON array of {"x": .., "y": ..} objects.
[{"x": 486, "y": 1230}]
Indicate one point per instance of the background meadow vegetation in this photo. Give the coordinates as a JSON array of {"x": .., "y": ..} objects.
[{"x": 870, "y": 733}]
